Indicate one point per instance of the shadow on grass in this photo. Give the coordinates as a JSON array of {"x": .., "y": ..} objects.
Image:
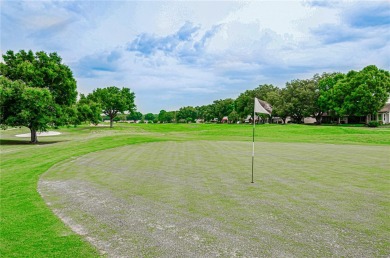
[{"x": 25, "y": 142}]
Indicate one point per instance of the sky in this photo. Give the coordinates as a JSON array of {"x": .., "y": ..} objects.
[{"x": 173, "y": 54}]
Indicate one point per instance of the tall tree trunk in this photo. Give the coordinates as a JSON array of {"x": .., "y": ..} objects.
[
  {"x": 34, "y": 138},
  {"x": 111, "y": 121},
  {"x": 318, "y": 120}
]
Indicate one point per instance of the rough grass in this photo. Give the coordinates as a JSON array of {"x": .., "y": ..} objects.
[{"x": 30, "y": 229}]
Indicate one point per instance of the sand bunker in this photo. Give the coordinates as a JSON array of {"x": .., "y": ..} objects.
[{"x": 39, "y": 134}]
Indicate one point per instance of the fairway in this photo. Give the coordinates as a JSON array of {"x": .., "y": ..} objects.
[{"x": 195, "y": 199}]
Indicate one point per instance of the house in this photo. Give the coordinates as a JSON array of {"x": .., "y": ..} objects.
[
  {"x": 309, "y": 120},
  {"x": 383, "y": 117},
  {"x": 249, "y": 119},
  {"x": 384, "y": 114}
]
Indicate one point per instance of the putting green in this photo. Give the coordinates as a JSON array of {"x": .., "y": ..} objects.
[{"x": 195, "y": 199}]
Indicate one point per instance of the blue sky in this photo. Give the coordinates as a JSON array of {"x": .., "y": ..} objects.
[{"x": 189, "y": 53}]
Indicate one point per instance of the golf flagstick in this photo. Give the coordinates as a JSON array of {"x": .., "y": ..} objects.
[
  {"x": 259, "y": 109},
  {"x": 253, "y": 142}
]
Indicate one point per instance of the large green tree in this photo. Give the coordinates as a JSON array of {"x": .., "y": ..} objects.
[
  {"x": 135, "y": 115},
  {"x": 314, "y": 104},
  {"x": 165, "y": 117},
  {"x": 25, "y": 106},
  {"x": 298, "y": 95},
  {"x": 365, "y": 92},
  {"x": 88, "y": 110},
  {"x": 206, "y": 112},
  {"x": 279, "y": 104},
  {"x": 150, "y": 117},
  {"x": 233, "y": 116},
  {"x": 244, "y": 104},
  {"x": 187, "y": 113},
  {"x": 223, "y": 108},
  {"x": 114, "y": 101},
  {"x": 328, "y": 101},
  {"x": 40, "y": 91}
]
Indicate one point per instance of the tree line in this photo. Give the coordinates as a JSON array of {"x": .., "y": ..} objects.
[
  {"x": 358, "y": 93},
  {"x": 38, "y": 91}
]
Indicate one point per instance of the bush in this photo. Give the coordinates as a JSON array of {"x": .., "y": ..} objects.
[{"x": 373, "y": 124}]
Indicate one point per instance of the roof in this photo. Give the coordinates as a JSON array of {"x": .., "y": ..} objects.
[
  {"x": 249, "y": 117},
  {"x": 385, "y": 109}
]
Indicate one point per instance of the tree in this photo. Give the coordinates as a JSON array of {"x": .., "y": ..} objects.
[
  {"x": 187, "y": 114},
  {"x": 41, "y": 71},
  {"x": 327, "y": 99},
  {"x": 161, "y": 116},
  {"x": 262, "y": 91},
  {"x": 88, "y": 110},
  {"x": 45, "y": 88},
  {"x": 233, "y": 116},
  {"x": 299, "y": 98},
  {"x": 279, "y": 104},
  {"x": 223, "y": 108},
  {"x": 25, "y": 106},
  {"x": 170, "y": 116},
  {"x": 149, "y": 117},
  {"x": 206, "y": 112},
  {"x": 135, "y": 116},
  {"x": 113, "y": 101},
  {"x": 314, "y": 105},
  {"x": 365, "y": 91},
  {"x": 244, "y": 104},
  {"x": 165, "y": 117}
]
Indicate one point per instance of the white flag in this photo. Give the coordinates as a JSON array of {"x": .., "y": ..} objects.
[{"x": 259, "y": 108}]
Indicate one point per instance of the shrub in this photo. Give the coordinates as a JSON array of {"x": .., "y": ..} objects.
[{"x": 373, "y": 124}]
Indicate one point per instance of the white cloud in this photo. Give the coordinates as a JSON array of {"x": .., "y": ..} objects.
[{"x": 199, "y": 51}]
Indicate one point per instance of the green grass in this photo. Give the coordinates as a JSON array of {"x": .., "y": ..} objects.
[{"x": 30, "y": 229}]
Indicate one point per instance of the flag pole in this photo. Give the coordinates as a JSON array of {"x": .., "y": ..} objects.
[
  {"x": 253, "y": 134},
  {"x": 259, "y": 109}
]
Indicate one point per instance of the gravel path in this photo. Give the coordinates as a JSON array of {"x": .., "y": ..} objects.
[{"x": 138, "y": 227}]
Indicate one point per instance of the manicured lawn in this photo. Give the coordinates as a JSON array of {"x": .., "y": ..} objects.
[{"x": 342, "y": 171}]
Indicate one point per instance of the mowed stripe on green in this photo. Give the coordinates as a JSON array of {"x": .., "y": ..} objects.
[{"x": 308, "y": 199}]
